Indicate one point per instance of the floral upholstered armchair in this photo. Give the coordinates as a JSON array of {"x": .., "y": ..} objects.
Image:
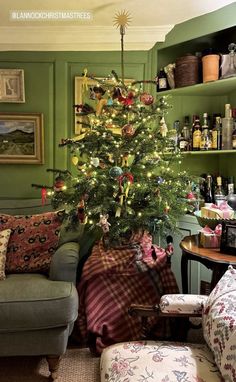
[{"x": 165, "y": 361}]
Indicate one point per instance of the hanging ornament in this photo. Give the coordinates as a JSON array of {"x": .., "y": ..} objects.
[
  {"x": 95, "y": 162},
  {"x": 160, "y": 180},
  {"x": 166, "y": 209},
  {"x": 163, "y": 127},
  {"x": 104, "y": 223},
  {"x": 75, "y": 160},
  {"x": 115, "y": 172},
  {"x": 125, "y": 159},
  {"x": 85, "y": 80},
  {"x": 109, "y": 101},
  {"x": 128, "y": 130},
  {"x": 146, "y": 98},
  {"x": 125, "y": 182},
  {"x": 80, "y": 212},
  {"x": 59, "y": 184},
  {"x": 43, "y": 195},
  {"x": 102, "y": 164}
]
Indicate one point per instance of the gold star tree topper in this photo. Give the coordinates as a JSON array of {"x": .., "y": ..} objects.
[{"x": 122, "y": 19}]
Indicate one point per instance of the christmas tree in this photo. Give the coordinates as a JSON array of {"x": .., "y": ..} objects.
[{"x": 125, "y": 177}]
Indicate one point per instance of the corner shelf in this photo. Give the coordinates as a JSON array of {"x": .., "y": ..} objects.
[
  {"x": 214, "y": 88},
  {"x": 210, "y": 152}
]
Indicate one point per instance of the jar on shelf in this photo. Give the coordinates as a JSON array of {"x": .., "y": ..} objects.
[
  {"x": 210, "y": 66},
  {"x": 186, "y": 71}
]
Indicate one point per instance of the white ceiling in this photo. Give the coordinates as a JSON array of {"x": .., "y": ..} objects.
[{"x": 151, "y": 21}]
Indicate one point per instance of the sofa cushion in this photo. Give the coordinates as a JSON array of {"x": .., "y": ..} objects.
[
  {"x": 158, "y": 362},
  {"x": 4, "y": 238},
  {"x": 33, "y": 241},
  {"x": 219, "y": 324},
  {"x": 31, "y": 301}
]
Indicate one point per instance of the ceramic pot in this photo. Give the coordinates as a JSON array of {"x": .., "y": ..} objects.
[{"x": 210, "y": 67}]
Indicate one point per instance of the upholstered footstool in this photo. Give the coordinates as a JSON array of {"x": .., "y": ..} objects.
[{"x": 158, "y": 361}]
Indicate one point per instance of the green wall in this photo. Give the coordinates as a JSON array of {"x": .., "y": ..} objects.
[{"x": 49, "y": 89}]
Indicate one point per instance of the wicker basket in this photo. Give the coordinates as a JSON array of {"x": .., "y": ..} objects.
[{"x": 186, "y": 71}]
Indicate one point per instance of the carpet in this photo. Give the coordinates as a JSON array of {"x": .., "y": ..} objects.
[{"x": 77, "y": 365}]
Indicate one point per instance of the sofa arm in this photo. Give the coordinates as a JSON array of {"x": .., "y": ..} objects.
[
  {"x": 65, "y": 262},
  {"x": 187, "y": 304}
]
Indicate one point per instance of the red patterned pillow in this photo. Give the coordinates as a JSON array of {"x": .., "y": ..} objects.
[{"x": 33, "y": 241}]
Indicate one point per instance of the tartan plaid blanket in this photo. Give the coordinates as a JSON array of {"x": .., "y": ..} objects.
[{"x": 112, "y": 280}]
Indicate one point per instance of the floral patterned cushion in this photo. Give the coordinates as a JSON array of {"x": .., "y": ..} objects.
[
  {"x": 158, "y": 362},
  {"x": 33, "y": 241},
  {"x": 4, "y": 237},
  {"x": 219, "y": 324},
  {"x": 182, "y": 303}
]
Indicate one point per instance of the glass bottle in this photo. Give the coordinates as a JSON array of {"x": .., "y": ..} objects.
[
  {"x": 234, "y": 129},
  {"x": 227, "y": 128},
  {"x": 206, "y": 140},
  {"x": 231, "y": 71},
  {"x": 196, "y": 133},
  {"x": 162, "y": 83},
  {"x": 187, "y": 132},
  {"x": 230, "y": 185},
  {"x": 208, "y": 190},
  {"x": 216, "y": 133},
  {"x": 219, "y": 192}
]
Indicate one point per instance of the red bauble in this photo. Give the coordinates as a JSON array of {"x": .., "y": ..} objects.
[
  {"x": 128, "y": 130},
  {"x": 59, "y": 184},
  {"x": 146, "y": 98}
]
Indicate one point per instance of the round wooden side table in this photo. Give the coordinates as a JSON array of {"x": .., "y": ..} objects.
[{"x": 212, "y": 258}]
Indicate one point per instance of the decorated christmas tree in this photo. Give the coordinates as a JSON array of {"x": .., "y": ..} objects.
[{"x": 125, "y": 175}]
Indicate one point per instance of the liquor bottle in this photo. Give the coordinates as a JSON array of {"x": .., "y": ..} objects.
[
  {"x": 208, "y": 190},
  {"x": 230, "y": 185},
  {"x": 216, "y": 133},
  {"x": 196, "y": 133},
  {"x": 227, "y": 128},
  {"x": 162, "y": 83},
  {"x": 234, "y": 129},
  {"x": 206, "y": 140},
  {"x": 219, "y": 195},
  {"x": 187, "y": 133}
]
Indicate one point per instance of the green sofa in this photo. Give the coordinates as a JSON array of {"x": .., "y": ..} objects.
[{"x": 38, "y": 310}]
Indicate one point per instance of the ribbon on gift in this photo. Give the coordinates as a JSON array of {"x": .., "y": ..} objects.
[
  {"x": 208, "y": 231},
  {"x": 224, "y": 207}
]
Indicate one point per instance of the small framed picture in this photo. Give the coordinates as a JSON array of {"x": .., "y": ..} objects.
[
  {"x": 12, "y": 88},
  {"x": 21, "y": 138},
  {"x": 228, "y": 238}
]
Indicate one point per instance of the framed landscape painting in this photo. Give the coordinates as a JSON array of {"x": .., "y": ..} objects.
[
  {"x": 12, "y": 87},
  {"x": 21, "y": 138}
]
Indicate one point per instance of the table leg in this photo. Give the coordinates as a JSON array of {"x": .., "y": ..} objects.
[
  {"x": 217, "y": 272},
  {"x": 184, "y": 272}
]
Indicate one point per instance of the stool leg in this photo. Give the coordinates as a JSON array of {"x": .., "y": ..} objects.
[{"x": 53, "y": 365}]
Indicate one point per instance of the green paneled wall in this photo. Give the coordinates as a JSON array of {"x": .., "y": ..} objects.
[{"x": 49, "y": 89}]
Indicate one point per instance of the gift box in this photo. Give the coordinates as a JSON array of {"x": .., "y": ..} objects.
[
  {"x": 211, "y": 238},
  {"x": 222, "y": 211}
]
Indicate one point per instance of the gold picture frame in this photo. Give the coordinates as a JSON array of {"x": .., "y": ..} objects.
[
  {"x": 81, "y": 95},
  {"x": 12, "y": 87},
  {"x": 21, "y": 138}
]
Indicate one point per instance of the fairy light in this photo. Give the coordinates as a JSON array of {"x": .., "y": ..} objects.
[
  {"x": 139, "y": 214},
  {"x": 149, "y": 174}
]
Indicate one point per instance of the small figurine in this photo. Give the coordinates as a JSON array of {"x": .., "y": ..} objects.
[
  {"x": 103, "y": 223},
  {"x": 163, "y": 127}
]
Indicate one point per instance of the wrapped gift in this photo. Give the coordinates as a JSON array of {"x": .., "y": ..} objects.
[
  {"x": 210, "y": 238},
  {"x": 221, "y": 211}
]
